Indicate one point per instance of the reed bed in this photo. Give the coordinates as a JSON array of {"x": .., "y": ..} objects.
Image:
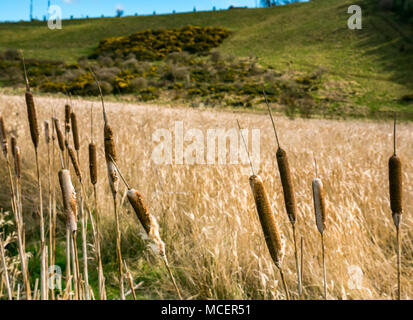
[{"x": 214, "y": 237}]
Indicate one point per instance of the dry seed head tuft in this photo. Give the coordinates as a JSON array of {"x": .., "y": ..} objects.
[
  {"x": 148, "y": 221},
  {"x": 69, "y": 199},
  {"x": 287, "y": 183},
  {"x": 59, "y": 134},
  {"x": 31, "y": 112},
  {"x": 395, "y": 184},
  {"x": 113, "y": 177},
  {"x": 75, "y": 163},
  {"x": 68, "y": 111},
  {"x": 267, "y": 219},
  {"x": 47, "y": 131},
  {"x": 3, "y": 137},
  {"x": 319, "y": 204},
  {"x": 93, "y": 163},
  {"x": 110, "y": 154},
  {"x": 75, "y": 131}
]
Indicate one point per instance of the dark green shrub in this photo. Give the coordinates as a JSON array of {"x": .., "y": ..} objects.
[
  {"x": 156, "y": 44},
  {"x": 138, "y": 84}
]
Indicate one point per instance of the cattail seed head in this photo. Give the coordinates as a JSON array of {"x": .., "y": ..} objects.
[
  {"x": 13, "y": 145},
  {"x": 319, "y": 204},
  {"x": 93, "y": 163},
  {"x": 68, "y": 111},
  {"x": 267, "y": 219},
  {"x": 287, "y": 183},
  {"x": 47, "y": 131},
  {"x": 3, "y": 137},
  {"x": 110, "y": 149},
  {"x": 31, "y": 112},
  {"x": 110, "y": 154},
  {"x": 148, "y": 221},
  {"x": 59, "y": 134},
  {"x": 75, "y": 131},
  {"x": 396, "y": 190},
  {"x": 17, "y": 162},
  {"x": 69, "y": 200},
  {"x": 74, "y": 161}
]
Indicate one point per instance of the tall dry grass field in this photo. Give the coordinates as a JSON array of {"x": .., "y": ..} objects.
[{"x": 207, "y": 214}]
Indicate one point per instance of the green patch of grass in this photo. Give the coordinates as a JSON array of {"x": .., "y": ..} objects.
[{"x": 374, "y": 61}]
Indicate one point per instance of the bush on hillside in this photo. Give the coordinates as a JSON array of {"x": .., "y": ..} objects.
[{"x": 153, "y": 45}]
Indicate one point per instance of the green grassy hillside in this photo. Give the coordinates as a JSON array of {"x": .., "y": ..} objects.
[{"x": 371, "y": 67}]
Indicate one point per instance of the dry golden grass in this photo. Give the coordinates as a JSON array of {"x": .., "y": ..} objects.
[{"x": 209, "y": 220}]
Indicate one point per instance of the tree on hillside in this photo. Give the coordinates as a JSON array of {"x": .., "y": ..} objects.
[
  {"x": 272, "y": 3},
  {"x": 119, "y": 12},
  {"x": 268, "y": 3}
]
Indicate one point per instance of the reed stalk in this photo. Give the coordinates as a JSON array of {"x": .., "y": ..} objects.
[
  {"x": 34, "y": 132},
  {"x": 5, "y": 271},
  {"x": 289, "y": 194}
]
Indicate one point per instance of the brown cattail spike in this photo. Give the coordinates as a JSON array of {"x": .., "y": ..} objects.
[
  {"x": 3, "y": 137},
  {"x": 147, "y": 220},
  {"x": 110, "y": 149},
  {"x": 13, "y": 144},
  {"x": 287, "y": 183},
  {"x": 47, "y": 131},
  {"x": 69, "y": 200},
  {"x": 17, "y": 162},
  {"x": 267, "y": 219},
  {"x": 31, "y": 110},
  {"x": 75, "y": 163},
  {"x": 395, "y": 179},
  {"x": 75, "y": 131},
  {"x": 319, "y": 204},
  {"x": 68, "y": 111},
  {"x": 93, "y": 163},
  {"x": 110, "y": 154},
  {"x": 59, "y": 134}
]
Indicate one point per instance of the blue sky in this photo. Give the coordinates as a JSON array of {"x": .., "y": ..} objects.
[{"x": 14, "y": 10}]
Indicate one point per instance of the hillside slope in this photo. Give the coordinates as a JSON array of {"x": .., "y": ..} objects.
[{"x": 371, "y": 66}]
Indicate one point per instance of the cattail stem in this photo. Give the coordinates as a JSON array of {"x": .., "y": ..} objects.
[
  {"x": 272, "y": 119},
  {"x": 43, "y": 267},
  {"x": 297, "y": 264},
  {"x": 68, "y": 262},
  {"x": 246, "y": 149},
  {"x": 5, "y": 271},
  {"x": 53, "y": 195},
  {"x": 287, "y": 294},
  {"x": 76, "y": 269},
  {"x": 49, "y": 178},
  {"x": 118, "y": 249},
  {"x": 398, "y": 245},
  {"x": 324, "y": 266},
  {"x": 102, "y": 290},
  {"x": 165, "y": 260},
  {"x": 18, "y": 219},
  {"x": 130, "y": 280},
  {"x": 302, "y": 263},
  {"x": 84, "y": 247}
]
